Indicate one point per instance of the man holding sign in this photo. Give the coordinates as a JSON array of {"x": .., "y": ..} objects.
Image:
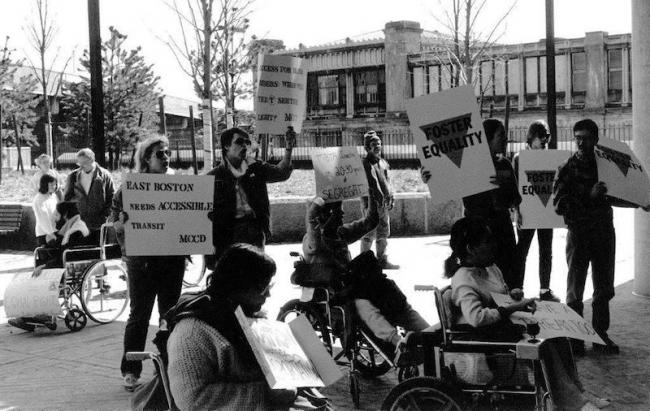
[
  {"x": 581, "y": 199},
  {"x": 241, "y": 201}
]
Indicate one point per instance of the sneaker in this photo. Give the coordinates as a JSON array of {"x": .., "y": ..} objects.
[
  {"x": 387, "y": 265},
  {"x": 609, "y": 348},
  {"x": 21, "y": 323},
  {"x": 578, "y": 347},
  {"x": 130, "y": 382},
  {"x": 549, "y": 296}
]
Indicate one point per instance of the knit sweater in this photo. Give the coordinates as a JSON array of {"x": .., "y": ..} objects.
[
  {"x": 471, "y": 288},
  {"x": 206, "y": 372}
]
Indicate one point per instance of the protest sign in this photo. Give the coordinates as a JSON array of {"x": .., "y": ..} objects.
[
  {"x": 289, "y": 354},
  {"x": 626, "y": 178},
  {"x": 280, "y": 99},
  {"x": 450, "y": 142},
  {"x": 554, "y": 319},
  {"x": 28, "y": 296},
  {"x": 339, "y": 173},
  {"x": 537, "y": 171},
  {"x": 167, "y": 215}
]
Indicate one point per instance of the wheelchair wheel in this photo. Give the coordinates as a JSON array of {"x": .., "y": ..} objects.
[
  {"x": 291, "y": 309},
  {"x": 104, "y": 291},
  {"x": 368, "y": 360},
  {"x": 194, "y": 271},
  {"x": 423, "y": 393},
  {"x": 355, "y": 388},
  {"x": 75, "y": 320}
]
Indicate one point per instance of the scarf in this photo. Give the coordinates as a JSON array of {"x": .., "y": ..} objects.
[
  {"x": 237, "y": 172},
  {"x": 71, "y": 226}
]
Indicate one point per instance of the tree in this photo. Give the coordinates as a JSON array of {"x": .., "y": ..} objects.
[{"x": 130, "y": 98}]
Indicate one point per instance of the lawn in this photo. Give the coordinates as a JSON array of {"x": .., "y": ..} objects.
[{"x": 14, "y": 187}]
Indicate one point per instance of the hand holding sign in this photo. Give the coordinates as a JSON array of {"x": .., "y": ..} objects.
[{"x": 290, "y": 138}]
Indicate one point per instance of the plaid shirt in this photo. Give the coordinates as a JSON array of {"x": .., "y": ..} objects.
[{"x": 572, "y": 194}]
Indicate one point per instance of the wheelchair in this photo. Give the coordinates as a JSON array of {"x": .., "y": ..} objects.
[
  {"x": 94, "y": 283},
  {"x": 441, "y": 388},
  {"x": 335, "y": 319}
]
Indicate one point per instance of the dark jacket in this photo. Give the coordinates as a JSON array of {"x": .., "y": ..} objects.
[
  {"x": 489, "y": 203},
  {"x": 254, "y": 185},
  {"x": 378, "y": 183},
  {"x": 95, "y": 206}
]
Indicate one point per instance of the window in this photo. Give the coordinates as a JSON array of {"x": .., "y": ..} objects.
[
  {"x": 419, "y": 81},
  {"x": 434, "y": 79},
  {"x": 326, "y": 94},
  {"x": 614, "y": 75},
  {"x": 370, "y": 90},
  {"x": 328, "y": 90},
  {"x": 578, "y": 77},
  {"x": 532, "y": 80}
]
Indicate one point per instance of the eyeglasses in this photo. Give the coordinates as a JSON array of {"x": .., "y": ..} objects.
[
  {"x": 267, "y": 289},
  {"x": 242, "y": 141},
  {"x": 160, "y": 154}
]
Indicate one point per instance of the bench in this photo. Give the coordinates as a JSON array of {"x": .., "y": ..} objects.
[{"x": 10, "y": 217}]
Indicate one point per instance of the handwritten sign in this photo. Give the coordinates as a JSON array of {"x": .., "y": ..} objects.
[
  {"x": 290, "y": 355},
  {"x": 554, "y": 319},
  {"x": 537, "y": 171},
  {"x": 280, "y": 99},
  {"x": 339, "y": 173},
  {"x": 28, "y": 296},
  {"x": 626, "y": 178},
  {"x": 168, "y": 215},
  {"x": 451, "y": 143}
]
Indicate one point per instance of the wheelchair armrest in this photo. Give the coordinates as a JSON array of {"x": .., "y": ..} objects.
[{"x": 140, "y": 355}]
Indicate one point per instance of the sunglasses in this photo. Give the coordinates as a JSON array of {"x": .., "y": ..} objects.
[
  {"x": 160, "y": 154},
  {"x": 242, "y": 141}
]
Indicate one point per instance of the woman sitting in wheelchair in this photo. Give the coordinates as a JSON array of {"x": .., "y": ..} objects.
[
  {"x": 379, "y": 303},
  {"x": 72, "y": 232},
  {"x": 474, "y": 276}
]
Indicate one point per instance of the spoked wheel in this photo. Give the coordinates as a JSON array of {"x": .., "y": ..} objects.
[
  {"x": 410, "y": 371},
  {"x": 293, "y": 308},
  {"x": 104, "y": 291},
  {"x": 194, "y": 270},
  {"x": 368, "y": 360},
  {"x": 423, "y": 393},
  {"x": 355, "y": 389},
  {"x": 75, "y": 319}
]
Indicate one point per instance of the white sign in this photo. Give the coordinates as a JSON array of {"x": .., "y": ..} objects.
[
  {"x": 28, "y": 296},
  {"x": 451, "y": 144},
  {"x": 290, "y": 355},
  {"x": 554, "y": 319},
  {"x": 339, "y": 173},
  {"x": 280, "y": 99},
  {"x": 537, "y": 172},
  {"x": 626, "y": 178},
  {"x": 168, "y": 215}
]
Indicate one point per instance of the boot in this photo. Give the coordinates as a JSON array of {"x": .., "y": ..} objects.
[{"x": 387, "y": 265}]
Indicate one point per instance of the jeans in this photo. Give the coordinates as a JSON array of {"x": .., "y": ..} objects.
[
  {"x": 380, "y": 233},
  {"x": 594, "y": 244},
  {"x": 410, "y": 320},
  {"x": 545, "y": 243},
  {"x": 149, "y": 277}
]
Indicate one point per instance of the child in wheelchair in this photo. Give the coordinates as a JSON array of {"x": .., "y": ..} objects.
[
  {"x": 473, "y": 277},
  {"x": 379, "y": 303}
]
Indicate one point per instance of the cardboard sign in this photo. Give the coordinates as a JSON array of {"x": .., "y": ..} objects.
[
  {"x": 450, "y": 142},
  {"x": 168, "y": 215},
  {"x": 28, "y": 296},
  {"x": 554, "y": 319},
  {"x": 339, "y": 173},
  {"x": 626, "y": 178},
  {"x": 537, "y": 172},
  {"x": 290, "y": 355},
  {"x": 281, "y": 95}
]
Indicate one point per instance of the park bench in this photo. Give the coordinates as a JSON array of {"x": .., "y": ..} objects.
[{"x": 10, "y": 217}]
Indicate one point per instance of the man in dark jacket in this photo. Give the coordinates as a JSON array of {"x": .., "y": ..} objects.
[
  {"x": 91, "y": 186},
  {"x": 241, "y": 201}
]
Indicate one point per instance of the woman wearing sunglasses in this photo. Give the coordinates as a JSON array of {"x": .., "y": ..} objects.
[{"x": 150, "y": 277}]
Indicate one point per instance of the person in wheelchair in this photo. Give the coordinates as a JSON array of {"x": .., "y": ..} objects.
[
  {"x": 379, "y": 302},
  {"x": 72, "y": 232},
  {"x": 211, "y": 364},
  {"x": 474, "y": 276}
]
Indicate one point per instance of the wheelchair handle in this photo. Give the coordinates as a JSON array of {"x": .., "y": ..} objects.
[
  {"x": 422, "y": 287},
  {"x": 139, "y": 355}
]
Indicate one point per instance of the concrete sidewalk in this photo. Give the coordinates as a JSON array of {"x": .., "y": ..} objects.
[{"x": 79, "y": 371}]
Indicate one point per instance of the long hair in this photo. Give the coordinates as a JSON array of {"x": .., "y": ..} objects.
[
  {"x": 468, "y": 231},
  {"x": 537, "y": 128},
  {"x": 144, "y": 150},
  {"x": 43, "y": 184},
  {"x": 227, "y": 136},
  {"x": 241, "y": 267}
]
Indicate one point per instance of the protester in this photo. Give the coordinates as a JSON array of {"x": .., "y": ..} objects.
[
  {"x": 494, "y": 205},
  {"x": 536, "y": 139},
  {"x": 241, "y": 201},
  {"x": 44, "y": 206},
  {"x": 381, "y": 192},
  {"x": 92, "y": 187},
  {"x": 211, "y": 364},
  {"x": 44, "y": 164},
  {"x": 581, "y": 199},
  {"x": 474, "y": 276},
  {"x": 380, "y": 304},
  {"x": 149, "y": 277}
]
